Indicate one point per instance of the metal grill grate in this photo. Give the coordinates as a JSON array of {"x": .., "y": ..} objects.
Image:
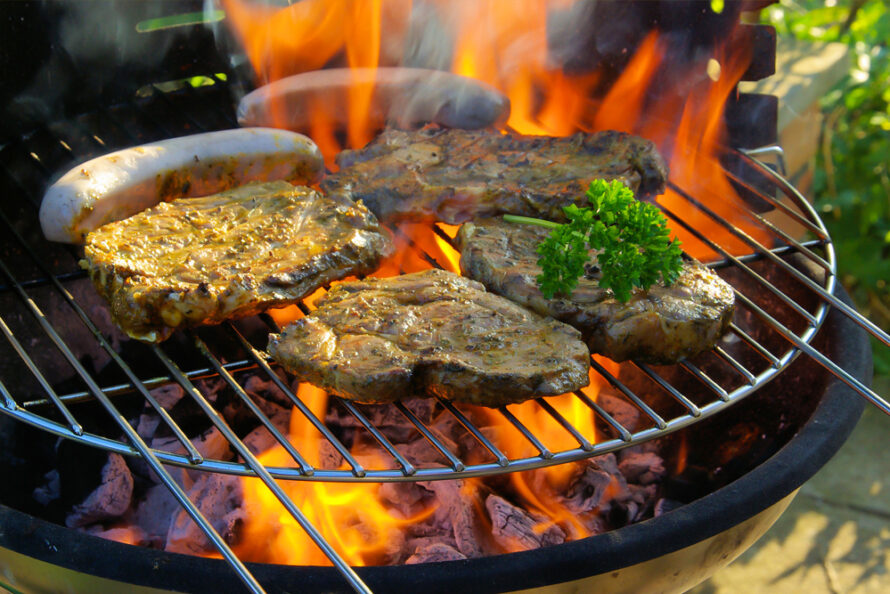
[{"x": 773, "y": 326}]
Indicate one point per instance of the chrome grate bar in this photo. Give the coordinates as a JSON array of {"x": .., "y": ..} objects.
[
  {"x": 75, "y": 426},
  {"x": 693, "y": 409},
  {"x": 804, "y": 345},
  {"x": 623, "y": 433},
  {"x": 133, "y": 437},
  {"x": 466, "y": 424},
  {"x": 354, "y": 580},
  {"x": 654, "y": 416},
  {"x": 826, "y": 295},
  {"x": 703, "y": 377},
  {"x": 456, "y": 464},
  {"x": 407, "y": 468},
  {"x": 303, "y": 465},
  {"x": 761, "y": 350},
  {"x": 564, "y": 423}
]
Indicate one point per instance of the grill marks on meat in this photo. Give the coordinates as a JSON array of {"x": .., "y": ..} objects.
[
  {"x": 200, "y": 261},
  {"x": 661, "y": 325},
  {"x": 458, "y": 175},
  {"x": 433, "y": 333}
]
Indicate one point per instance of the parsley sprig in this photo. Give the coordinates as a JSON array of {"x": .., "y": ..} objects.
[{"x": 631, "y": 238}]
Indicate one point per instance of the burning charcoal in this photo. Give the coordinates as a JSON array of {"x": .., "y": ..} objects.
[
  {"x": 598, "y": 482},
  {"x": 434, "y": 553},
  {"x": 408, "y": 499},
  {"x": 421, "y": 452},
  {"x": 387, "y": 418},
  {"x": 110, "y": 499},
  {"x": 211, "y": 444},
  {"x": 147, "y": 424},
  {"x": 153, "y": 515},
  {"x": 262, "y": 389},
  {"x": 219, "y": 498},
  {"x": 168, "y": 395},
  {"x": 639, "y": 503},
  {"x": 621, "y": 410},
  {"x": 259, "y": 440},
  {"x": 642, "y": 468},
  {"x": 210, "y": 388},
  {"x": 456, "y": 510},
  {"x": 516, "y": 529},
  {"x": 407, "y": 97},
  {"x": 328, "y": 456},
  {"x": 211, "y": 441},
  {"x": 130, "y": 534},
  {"x": 75, "y": 334},
  {"x": 50, "y": 490}
]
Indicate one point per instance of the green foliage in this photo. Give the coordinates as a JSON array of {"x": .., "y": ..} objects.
[
  {"x": 852, "y": 181},
  {"x": 631, "y": 237}
]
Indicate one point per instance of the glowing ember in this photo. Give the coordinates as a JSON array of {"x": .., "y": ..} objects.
[{"x": 349, "y": 515}]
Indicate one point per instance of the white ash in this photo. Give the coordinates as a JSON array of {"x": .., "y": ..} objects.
[
  {"x": 111, "y": 499},
  {"x": 219, "y": 497},
  {"x": 643, "y": 468},
  {"x": 517, "y": 529},
  {"x": 434, "y": 553},
  {"x": 456, "y": 514},
  {"x": 211, "y": 444},
  {"x": 153, "y": 515}
]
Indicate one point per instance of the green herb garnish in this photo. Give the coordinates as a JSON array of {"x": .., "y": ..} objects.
[{"x": 632, "y": 239}]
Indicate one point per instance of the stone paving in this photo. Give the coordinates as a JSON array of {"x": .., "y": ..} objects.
[{"x": 835, "y": 536}]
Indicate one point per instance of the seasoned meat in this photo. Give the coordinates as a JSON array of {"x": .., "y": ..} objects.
[
  {"x": 431, "y": 332},
  {"x": 661, "y": 325},
  {"x": 199, "y": 261},
  {"x": 458, "y": 175}
]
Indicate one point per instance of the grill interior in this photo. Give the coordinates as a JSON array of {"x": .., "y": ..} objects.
[
  {"x": 67, "y": 372},
  {"x": 46, "y": 318}
]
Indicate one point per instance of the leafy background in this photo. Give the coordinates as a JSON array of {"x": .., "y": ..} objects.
[{"x": 851, "y": 187}]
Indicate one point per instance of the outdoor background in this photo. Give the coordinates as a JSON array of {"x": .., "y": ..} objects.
[{"x": 835, "y": 537}]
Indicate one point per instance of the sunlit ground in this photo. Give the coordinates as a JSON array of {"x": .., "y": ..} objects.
[{"x": 835, "y": 536}]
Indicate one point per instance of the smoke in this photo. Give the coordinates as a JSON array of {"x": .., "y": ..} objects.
[{"x": 92, "y": 54}]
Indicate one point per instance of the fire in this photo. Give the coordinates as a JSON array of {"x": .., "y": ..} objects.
[
  {"x": 505, "y": 44},
  {"x": 350, "y": 516}
]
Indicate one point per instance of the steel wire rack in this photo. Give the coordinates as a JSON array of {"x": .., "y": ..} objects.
[{"x": 31, "y": 266}]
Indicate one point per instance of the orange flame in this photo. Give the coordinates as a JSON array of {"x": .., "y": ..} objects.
[
  {"x": 503, "y": 43},
  {"x": 350, "y": 516}
]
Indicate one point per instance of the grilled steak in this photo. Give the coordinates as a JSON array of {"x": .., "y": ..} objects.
[
  {"x": 431, "y": 332},
  {"x": 661, "y": 325},
  {"x": 458, "y": 175},
  {"x": 199, "y": 261}
]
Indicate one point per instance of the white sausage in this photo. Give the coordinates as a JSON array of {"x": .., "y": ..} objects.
[
  {"x": 407, "y": 97},
  {"x": 120, "y": 184}
]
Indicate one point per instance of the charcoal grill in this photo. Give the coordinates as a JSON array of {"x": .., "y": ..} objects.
[{"x": 778, "y": 327}]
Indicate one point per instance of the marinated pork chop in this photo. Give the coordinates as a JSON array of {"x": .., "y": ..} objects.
[
  {"x": 661, "y": 325},
  {"x": 458, "y": 175},
  {"x": 431, "y": 332},
  {"x": 203, "y": 260}
]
